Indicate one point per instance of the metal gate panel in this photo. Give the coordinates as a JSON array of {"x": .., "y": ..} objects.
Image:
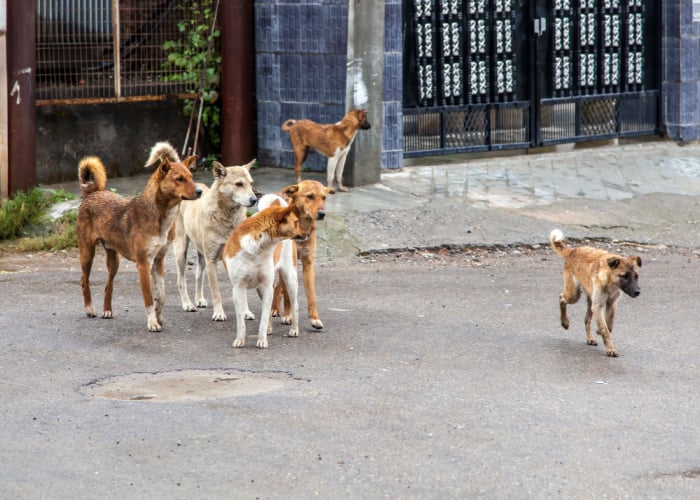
[
  {"x": 495, "y": 74},
  {"x": 467, "y": 60}
]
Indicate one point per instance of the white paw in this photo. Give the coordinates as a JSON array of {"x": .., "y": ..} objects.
[
  {"x": 239, "y": 342},
  {"x": 249, "y": 315},
  {"x": 218, "y": 316},
  {"x": 287, "y": 320},
  {"x": 154, "y": 326},
  {"x": 202, "y": 303},
  {"x": 107, "y": 315},
  {"x": 90, "y": 311},
  {"x": 293, "y": 332},
  {"x": 316, "y": 323},
  {"x": 262, "y": 343},
  {"x": 189, "y": 307}
]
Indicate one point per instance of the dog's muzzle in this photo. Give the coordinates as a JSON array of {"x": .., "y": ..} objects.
[
  {"x": 366, "y": 126},
  {"x": 198, "y": 193},
  {"x": 321, "y": 215}
]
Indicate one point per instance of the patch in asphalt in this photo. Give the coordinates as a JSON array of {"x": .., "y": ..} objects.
[{"x": 186, "y": 385}]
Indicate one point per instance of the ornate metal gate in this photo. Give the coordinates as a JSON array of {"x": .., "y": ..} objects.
[{"x": 494, "y": 74}]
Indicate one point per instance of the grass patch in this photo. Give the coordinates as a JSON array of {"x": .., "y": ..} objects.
[{"x": 28, "y": 210}]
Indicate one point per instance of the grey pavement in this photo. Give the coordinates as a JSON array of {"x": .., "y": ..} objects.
[{"x": 437, "y": 375}]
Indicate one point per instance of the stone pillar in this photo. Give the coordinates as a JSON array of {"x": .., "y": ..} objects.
[{"x": 365, "y": 75}]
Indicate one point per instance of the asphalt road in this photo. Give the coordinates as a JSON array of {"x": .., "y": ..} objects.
[{"x": 436, "y": 376}]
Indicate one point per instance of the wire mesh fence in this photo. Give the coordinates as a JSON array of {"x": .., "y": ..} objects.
[{"x": 119, "y": 50}]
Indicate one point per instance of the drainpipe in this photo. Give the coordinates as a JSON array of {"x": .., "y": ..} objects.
[
  {"x": 21, "y": 78},
  {"x": 238, "y": 121}
]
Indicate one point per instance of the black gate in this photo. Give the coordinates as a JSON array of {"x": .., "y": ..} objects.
[{"x": 493, "y": 74}]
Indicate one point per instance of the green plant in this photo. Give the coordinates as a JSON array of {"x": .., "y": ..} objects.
[
  {"x": 22, "y": 209},
  {"x": 61, "y": 237},
  {"x": 195, "y": 59}
]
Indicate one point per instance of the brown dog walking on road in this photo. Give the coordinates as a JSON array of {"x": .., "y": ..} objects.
[
  {"x": 602, "y": 276},
  {"x": 140, "y": 229},
  {"x": 332, "y": 140}
]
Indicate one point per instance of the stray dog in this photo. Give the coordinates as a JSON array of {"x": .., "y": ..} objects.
[
  {"x": 309, "y": 201},
  {"x": 332, "y": 140},
  {"x": 248, "y": 258},
  {"x": 601, "y": 275},
  {"x": 285, "y": 260},
  {"x": 139, "y": 229},
  {"x": 208, "y": 222}
]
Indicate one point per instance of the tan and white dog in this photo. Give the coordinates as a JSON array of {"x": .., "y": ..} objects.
[
  {"x": 207, "y": 223},
  {"x": 248, "y": 258},
  {"x": 332, "y": 140},
  {"x": 602, "y": 276}
]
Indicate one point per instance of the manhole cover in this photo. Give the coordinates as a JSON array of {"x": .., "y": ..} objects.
[{"x": 186, "y": 385}]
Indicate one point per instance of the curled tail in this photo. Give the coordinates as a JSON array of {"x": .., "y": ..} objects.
[
  {"x": 287, "y": 126},
  {"x": 92, "y": 175},
  {"x": 162, "y": 151},
  {"x": 556, "y": 239}
]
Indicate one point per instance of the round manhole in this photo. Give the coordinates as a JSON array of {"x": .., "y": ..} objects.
[{"x": 186, "y": 385}]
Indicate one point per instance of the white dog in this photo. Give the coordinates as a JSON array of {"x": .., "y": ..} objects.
[
  {"x": 249, "y": 260},
  {"x": 207, "y": 222}
]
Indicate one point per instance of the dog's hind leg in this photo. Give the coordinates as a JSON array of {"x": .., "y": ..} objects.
[
  {"x": 112, "y": 258},
  {"x": 600, "y": 312},
  {"x": 590, "y": 338},
  {"x": 199, "y": 299},
  {"x": 87, "y": 255},
  {"x": 240, "y": 305},
  {"x": 570, "y": 295},
  {"x": 219, "y": 314},
  {"x": 265, "y": 291},
  {"x": 300, "y": 155},
  {"x": 309, "y": 277},
  {"x": 180, "y": 246}
]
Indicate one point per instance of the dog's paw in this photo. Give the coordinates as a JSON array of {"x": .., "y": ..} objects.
[
  {"x": 239, "y": 342},
  {"x": 343, "y": 189},
  {"x": 218, "y": 316},
  {"x": 154, "y": 326},
  {"x": 202, "y": 303},
  {"x": 188, "y": 307},
  {"x": 107, "y": 314},
  {"x": 274, "y": 313},
  {"x": 248, "y": 315},
  {"x": 90, "y": 312},
  {"x": 591, "y": 342},
  {"x": 293, "y": 332},
  {"x": 287, "y": 320},
  {"x": 262, "y": 343},
  {"x": 612, "y": 354},
  {"x": 316, "y": 323}
]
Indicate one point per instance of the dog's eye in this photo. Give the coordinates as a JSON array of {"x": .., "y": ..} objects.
[
  {"x": 310, "y": 196},
  {"x": 625, "y": 276},
  {"x": 180, "y": 178},
  {"x": 239, "y": 184}
]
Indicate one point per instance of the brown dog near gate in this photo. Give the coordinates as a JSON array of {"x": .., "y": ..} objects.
[
  {"x": 602, "y": 275},
  {"x": 140, "y": 229},
  {"x": 332, "y": 140}
]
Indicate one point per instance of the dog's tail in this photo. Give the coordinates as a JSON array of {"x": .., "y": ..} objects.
[
  {"x": 287, "y": 126},
  {"x": 161, "y": 151},
  {"x": 556, "y": 239},
  {"x": 92, "y": 175}
]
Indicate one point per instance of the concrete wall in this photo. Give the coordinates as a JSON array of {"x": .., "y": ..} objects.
[
  {"x": 120, "y": 134},
  {"x": 680, "y": 91}
]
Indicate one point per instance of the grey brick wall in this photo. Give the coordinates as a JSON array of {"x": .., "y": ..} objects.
[{"x": 301, "y": 58}]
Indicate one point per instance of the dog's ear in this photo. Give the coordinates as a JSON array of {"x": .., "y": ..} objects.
[
  {"x": 290, "y": 190},
  {"x": 250, "y": 164},
  {"x": 190, "y": 162},
  {"x": 613, "y": 262},
  {"x": 281, "y": 215},
  {"x": 218, "y": 169},
  {"x": 639, "y": 260}
]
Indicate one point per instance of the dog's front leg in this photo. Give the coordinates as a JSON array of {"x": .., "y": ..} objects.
[
  {"x": 598, "y": 310},
  {"x": 112, "y": 258},
  {"x": 309, "y": 277},
  {"x": 340, "y": 168},
  {"x": 291, "y": 281},
  {"x": 590, "y": 338},
  {"x": 199, "y": 299},
  {"x": 240, "y": 305},
  {"x": 158, "y": 283},
  {"x": 87, "y": 255},
  {"x": 144, "y": 270},
  {"x": 219, "y": 314},
  {"x": 180, "y": 248}
]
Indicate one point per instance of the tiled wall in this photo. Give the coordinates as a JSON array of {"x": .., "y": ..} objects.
[
  {"x": 681, "y": 77},
  {"x": 301, "y": 63}
]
